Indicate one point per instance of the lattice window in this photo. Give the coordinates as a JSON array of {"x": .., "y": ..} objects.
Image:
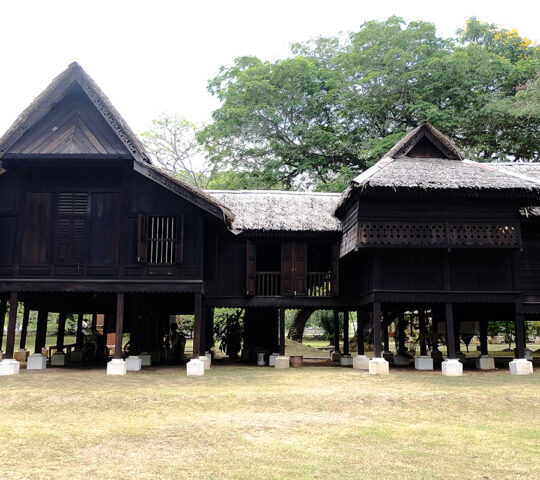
[
  {"x": 483, "y": 234},
  {"x": 161, "y": 239},
  {"x": 378, "y": 233}
]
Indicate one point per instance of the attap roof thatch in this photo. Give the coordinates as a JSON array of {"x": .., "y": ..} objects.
[
  {"x": 450, "y": 172},
  {"x": 280, "y": 211}
]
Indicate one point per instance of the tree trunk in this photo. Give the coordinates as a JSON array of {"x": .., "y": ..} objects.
[{"x": 296, "y": 332}]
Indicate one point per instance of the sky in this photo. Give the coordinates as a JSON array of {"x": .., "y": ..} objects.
[{"x": 157, "y": 56}]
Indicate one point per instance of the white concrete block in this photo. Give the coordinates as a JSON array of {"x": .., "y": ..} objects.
[
  {"x": 452, "y": 367},
  {"x": 116, "y": 366},
  {"x": 195, "y": 367},
  {"x": 401, "y": 360},
  {"x": 58, "y": 359},
  {"x": 260, "y": 359},
  {"x": 206, "y": 362},
  {"x": 272, "y": 359},
  {"x": 76, "y": 356},
  {"x": 423, "y": 363},
  {"x": 133, "y": 363},
  {"x": 146, "y": 359},
  {"x": 521, "y": 366},
  {"x": 282, "y": 362},
  {"x": 36, "y": 361},
  {"x": 208, "y": 355},
  {"x": 346, "y": 361},
  {"x": 485, "y": 362},
  {"x": 528, "y": 355},
  {"x": 379, "y": 366},
  {"x": 21, "y": 355},
  {"x": 361, "y": 362},
  {"x": 9, "y": 366}
]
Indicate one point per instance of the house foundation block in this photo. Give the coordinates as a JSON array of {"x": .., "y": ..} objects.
[
  {"x": 335, "y": 356},
  {"x": 21, "y": 355},
  {"x": 452, "y": 367},
  {"x": 9, "y": 366},
  {"x": 195, "y": 367},
  {"x": 272, "y": 359},
  {"x": 423, "y": 363},
  {"x": 282, "y": 362},
  {"x": 260, "y": 359},
  {"x": 205, "y": 361},
  {"x": 133, "y": 363},
  {"x": 361, "y": 362},
  {"x": 485, "y": 362},
  {"x": 58, "y": 359},
  {"x": 116, "y": 366},
  {"x": 528, "y": 355},
  {"x": 401, "y": 360},
  {"x": 521, "y": 366},
  {"x": 36, "y": 361},
  {"x": 346, "y": 361},
  {"x": 146, "y": 359},
  {"x": 208, "y": 355},
  {"x": 379, "y": 366}
]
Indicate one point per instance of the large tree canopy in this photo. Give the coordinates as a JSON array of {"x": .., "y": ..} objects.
[{"x": 338, "y": 104}]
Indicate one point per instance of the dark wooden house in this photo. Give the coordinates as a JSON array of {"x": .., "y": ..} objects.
[{"x": 89, "y": 226}]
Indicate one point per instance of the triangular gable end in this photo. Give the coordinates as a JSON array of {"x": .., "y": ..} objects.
[
  {"x": 425, "y": 141},
  {"x": 71, "y": 117}
]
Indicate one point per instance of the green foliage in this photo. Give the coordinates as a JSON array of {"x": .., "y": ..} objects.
[
  {"x": 338, "y": 104},
  {"x": 325, "y": 318},
  {"x": 228, "y": 329}
]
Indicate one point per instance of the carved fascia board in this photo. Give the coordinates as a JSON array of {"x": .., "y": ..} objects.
[
  {"x": 178, "y": 190},
  {"x": 109, "y": 117}
]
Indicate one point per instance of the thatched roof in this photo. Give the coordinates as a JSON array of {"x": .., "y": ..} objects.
[
  {"x": 450, "y": 172},
  {"x": 280, "y": 211}
]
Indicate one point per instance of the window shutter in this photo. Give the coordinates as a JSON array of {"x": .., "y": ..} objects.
[
  {"x": 300, "y": 268},
  {"x": 142, "y": 238},
  {"x": 335, "y": 268},
  {"x": 179, "y": 254},
  {"x": 251, "y": 265}
]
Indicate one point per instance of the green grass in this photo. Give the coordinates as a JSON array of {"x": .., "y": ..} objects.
[{"x": 260, "y": 423}]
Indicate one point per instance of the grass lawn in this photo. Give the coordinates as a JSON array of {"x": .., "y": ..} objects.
[{"x": 260, "y": 423}]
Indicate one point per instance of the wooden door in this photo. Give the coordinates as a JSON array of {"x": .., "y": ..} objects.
[{"x": 293, "y": 268}]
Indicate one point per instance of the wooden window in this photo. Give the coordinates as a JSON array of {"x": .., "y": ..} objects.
[
  {"x": 160, "y": 239},
  {"x": 293, "y": 268},
  {"x": 71, "y": 228}
]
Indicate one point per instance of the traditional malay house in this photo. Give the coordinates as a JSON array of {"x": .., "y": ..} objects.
[{"x": 89, "y": 226}]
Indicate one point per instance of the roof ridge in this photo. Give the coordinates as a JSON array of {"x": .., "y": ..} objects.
[{"x": 274, "y": 192}]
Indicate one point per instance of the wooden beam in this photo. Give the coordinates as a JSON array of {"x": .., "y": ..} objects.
[
  {"x": 197, "y": 325},
  {"x": 346, "y": 332},
  {"x": 119, "y": 325},
  {"x": 520, "y": 335},
  {"x": 377, "y": 329},
  {"x": 281, "y": 331},
  {"x": 12, "y": 321},
  {"x": 24, "y": 328},
  {"x": 450, "y": 340}
]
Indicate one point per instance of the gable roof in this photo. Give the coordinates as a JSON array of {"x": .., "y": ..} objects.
[
  {"x": 273, "y": 210},
  {"x": 450, "y": 172},
  {"x": 60, "y": 128},
  {"x": 74, "y": 75}
]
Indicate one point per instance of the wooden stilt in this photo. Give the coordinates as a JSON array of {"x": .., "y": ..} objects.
[
  {"x": 203, "y": 348},
  {"x": 24, "y": 328},
  {"x": 361, "y": 322},
  {"x": 385, "y": 334},
  {"x": 12, "y": 321},
  {"x": 401, "y": 326},
  {"x": 423, "y": 332},
  {"x": 119, "y": 325},
  {"x": 197, "y": 326},
  {"x": 346, "y": 332},
  {"x": 377, "y": 329},
  {"x": 79, "y": 336},
  {"x": 3, "y": 311},
  {"x": 94, "y": 321},
  {"x": 336, "y": 331},
  {"x": 282, "y": 332},
  {"x": 61, "y": 332},
  {"x": 41, "y": 331},
  {"x": 450, "y": 341},
  {"x": 483, "y": 336},
  {"x": 520, "y": 333}
]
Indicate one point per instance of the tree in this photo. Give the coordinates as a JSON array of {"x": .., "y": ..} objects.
[
  {"x": 339, "y": 103},
  {"x": 296, "y": 330},
  {"x": 172, "y": 143}
]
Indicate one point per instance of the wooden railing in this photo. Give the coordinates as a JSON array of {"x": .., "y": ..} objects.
[
  {"x": 267, "y": 284},
  {"x": 319, "y": 284}
]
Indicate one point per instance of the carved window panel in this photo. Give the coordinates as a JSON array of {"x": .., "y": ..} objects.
[
  {"x": 398, "y": 233},
  {"x": 473, "y": 234}
]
